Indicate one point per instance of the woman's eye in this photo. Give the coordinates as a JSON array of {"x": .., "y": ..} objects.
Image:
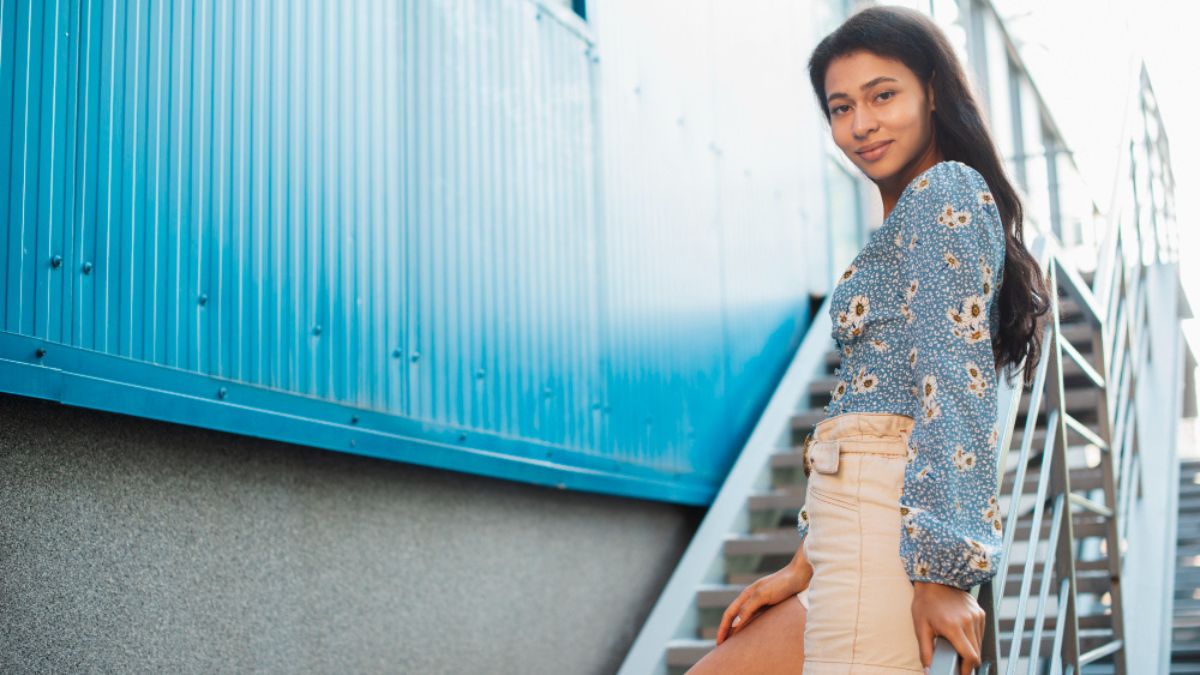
[
  {"x": 889, "y": 94},
  {"x": 836, "y": 109}
]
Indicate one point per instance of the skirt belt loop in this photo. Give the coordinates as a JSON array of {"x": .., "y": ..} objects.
[{"x": 825, "y": 454}]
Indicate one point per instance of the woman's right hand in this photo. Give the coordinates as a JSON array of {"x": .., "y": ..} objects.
[{"x": 763, "y": 593}]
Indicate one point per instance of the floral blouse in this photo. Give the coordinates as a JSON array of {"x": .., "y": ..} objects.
[{"x": 912, "y": 316}]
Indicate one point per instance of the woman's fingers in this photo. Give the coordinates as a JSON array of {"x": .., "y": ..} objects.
[
  {"x": 746, "y": 614},
  {"x": 727, "y": 618},
  {"x": 982, "y": 630},
  {"x": 737, "y": 613},
  {"x": 925, "y": 642},
  {"x": 962, "y": 637},
  {"x": 976, "y": 627},
  {"x": 963, "y": 644}
]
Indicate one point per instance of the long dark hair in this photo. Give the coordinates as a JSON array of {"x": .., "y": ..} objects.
[{"x": 961, "y": 134}]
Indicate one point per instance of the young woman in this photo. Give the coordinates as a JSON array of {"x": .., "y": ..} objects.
[{"x": 901, "y": 517}]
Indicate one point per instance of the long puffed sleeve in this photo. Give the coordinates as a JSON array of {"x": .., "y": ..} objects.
[{"x": 953, "y": 244}]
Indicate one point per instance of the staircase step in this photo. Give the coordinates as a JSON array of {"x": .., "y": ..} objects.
[
  {"x": 805, "y": 420},
  {"x": 1081, "y": 477},
  {"x": 776, "y": 542},
  {"x": 1084, "y": 525},
  {"x": 1086, "y": 581},
  {"x": 785, "y": 500}
]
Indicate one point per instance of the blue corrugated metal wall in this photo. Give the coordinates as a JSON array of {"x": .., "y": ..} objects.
[{"x": 379, "y": 227}]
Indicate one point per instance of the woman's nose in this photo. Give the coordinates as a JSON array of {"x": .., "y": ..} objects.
[{"x": 864, "y": 122}]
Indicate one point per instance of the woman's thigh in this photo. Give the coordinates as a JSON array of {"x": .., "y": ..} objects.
[{"x": 771, "y": 644}]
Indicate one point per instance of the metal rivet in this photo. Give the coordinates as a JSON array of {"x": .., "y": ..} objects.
[
  {"x": 41, "y": 351},
  {"x": 479, "y": 373},
  {"x": 317, "y": 329},
  {"x": 56, "y": 261},
  {"x": 87, "y": 268},
  {"x": 222, "y": 392},
  {"x": 462, "y": 437},
  {"x": 354, "y": 419},
  {"x": 203, "y": 299},
  {"x": 415, "y": 356},
  {"x": 396, "y": 353}
]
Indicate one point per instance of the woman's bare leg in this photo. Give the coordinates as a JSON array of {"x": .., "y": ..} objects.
[{"x": 771, "y": 644}]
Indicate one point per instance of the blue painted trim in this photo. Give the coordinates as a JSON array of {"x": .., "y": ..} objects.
[{"x": 90, "y": 379}]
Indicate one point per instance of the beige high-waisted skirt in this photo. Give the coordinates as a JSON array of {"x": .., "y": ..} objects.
[{"x": 859, "y": 599}]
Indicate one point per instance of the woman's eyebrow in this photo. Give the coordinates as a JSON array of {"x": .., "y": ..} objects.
[{"x": 872, "y": 83}]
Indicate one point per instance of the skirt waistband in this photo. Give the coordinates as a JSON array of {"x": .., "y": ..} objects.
[
  {"x": 861, "y": 432},
  {"x": 864, "y": 425}
]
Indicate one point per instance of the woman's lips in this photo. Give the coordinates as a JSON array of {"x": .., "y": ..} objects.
[{"x": 876, "y": 153}]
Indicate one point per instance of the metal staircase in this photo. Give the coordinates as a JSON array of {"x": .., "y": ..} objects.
[{"x": 1185, "y": 624}]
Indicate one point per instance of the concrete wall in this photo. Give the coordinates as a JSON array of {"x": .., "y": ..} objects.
[{"x": 133, "y": 545}]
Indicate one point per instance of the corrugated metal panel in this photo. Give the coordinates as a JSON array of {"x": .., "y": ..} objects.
[{"x": 452, "y": 213}]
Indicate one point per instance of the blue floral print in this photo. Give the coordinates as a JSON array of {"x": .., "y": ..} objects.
[{"x": 912, "y": 316}]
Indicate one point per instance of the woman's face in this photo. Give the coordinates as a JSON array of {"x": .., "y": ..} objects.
[{"x": 879, "y": 114}]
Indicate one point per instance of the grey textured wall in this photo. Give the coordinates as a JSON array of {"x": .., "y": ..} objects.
[{"x": 132, "y": 545}]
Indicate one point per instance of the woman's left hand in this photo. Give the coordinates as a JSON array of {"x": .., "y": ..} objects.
[{"x": 952, "y": 613}]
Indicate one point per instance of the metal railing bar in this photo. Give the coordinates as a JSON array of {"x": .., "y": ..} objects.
[
  {"x": 1125, "y": 374},
  {"x": 1090, "y": 505},
  {"x": 1091, "y": 373},
  {"x": 1117, "y": 440},
  {"x": 1118, "y": 398},
  {"x": 1134, "y": 321},
  {"x": 1110, "y": 647},
  {"x": 1065, "y": 564},
  {"x": 1056, "y": 664},
  {"x": 1135, "y": 470},
  {"x": 1034, "y": 530},
  {"x": 1035, "y": 396},
  {"x": 1128, "y": 439},
  {"x": 1102, "y": 280},
  {"x": 1120, "y": 337},
  {"x": 1044, "y": 588},
  {"x": 1081, "y": 429},
  {"x": 1078, "y": 289}
]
